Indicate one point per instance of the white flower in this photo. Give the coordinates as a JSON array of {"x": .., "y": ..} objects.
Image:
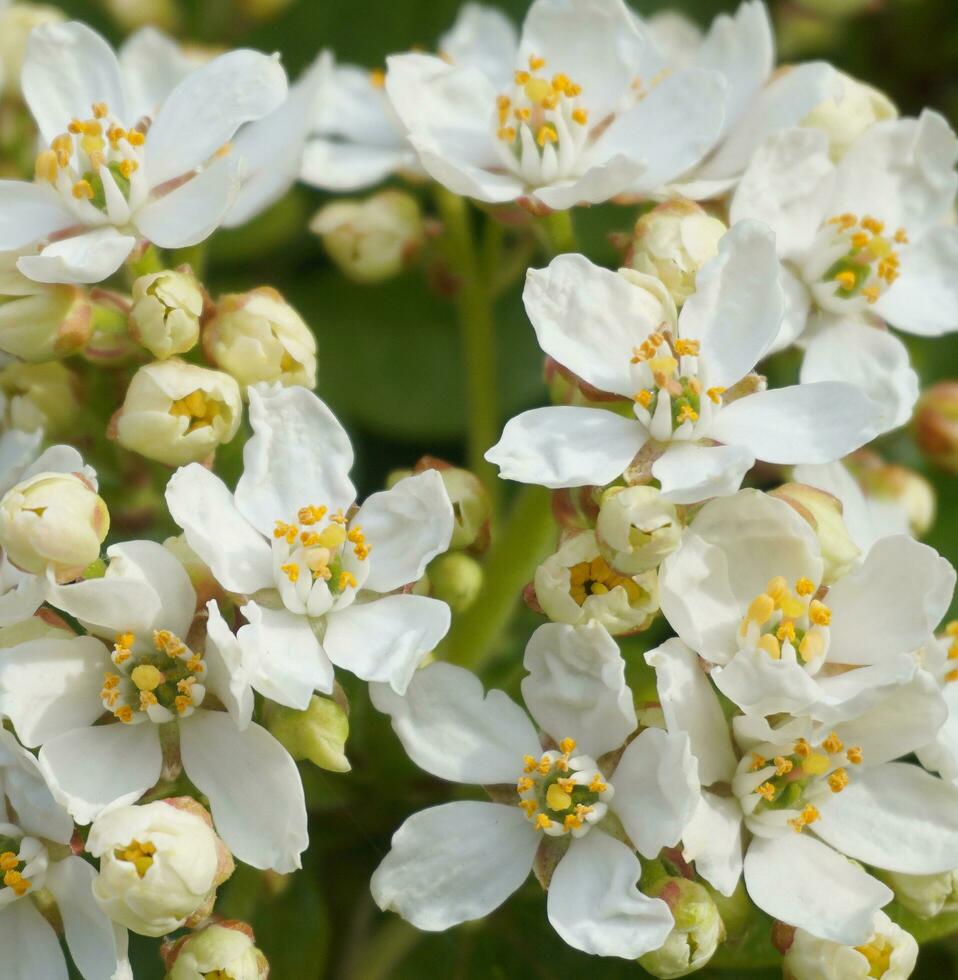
[
  {"x": 925, "y": 895},
  {"x": 460, "y": 861},
  {"x": 35, "y": 856},
  {"x": 636, "y": 529},
  {"x": 811, "y": 797},
  {"x": 890, "y": 954},
  {"x": 317, "y": 573},
  {"x": 590, "y": 112},
  {"x": 358, "y": 138},
  {"x": 224, "y": 950},
  {"x": 698, "y": 413},
  {"x": 159, "y": 865},
  {"x": 744, "y": 591},
  {"x": 56, "y": 689},
  {"x": 110, "y": 177},
  {"x": 868, "y": 235},
  {"x": 165, "y": 316},
  {"x": 758, "y": 100}
]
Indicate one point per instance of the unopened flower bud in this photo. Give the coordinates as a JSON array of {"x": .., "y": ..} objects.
[
  {"x": 697, "y": 932},
  {"x": 456, "y": 579},
  {"x": 673, "y": 241},
  {"x": 897, "y": 486},
  {"x": 317, "y": 734},
  {"x": 257, "y": 336},
  {"x": 636, "y": 528},
  {"x": 844, "y": 118},
  {"x": 471, "y": 504},
  {"x": 16, "y": 23},
  {"x": 576, "y": 585},
  {"x": 53, "y": 520},
  {"x": 165, "y": 317},
  {"x": 39, "y": 396},
  {"x": 131, "y": 14},
  {"x": 890, "y": 954},
  {"x": 226, "y": 949},
  {"x": 936, "y": 425},
  {"x": 177, "y": 413},
  {"x": 160, "y": 864},
  {"x": 824, "y": 514},
  {"x": 925, "y": 895},
  {"x": 371, "y": 240}
]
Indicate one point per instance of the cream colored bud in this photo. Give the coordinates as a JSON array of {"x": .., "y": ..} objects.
[
  {"x": 39, "y": 396},
  {"x": 576, "y": 585},
  {"x": 844, "y": 118},
  {"x": 165, "y": 317},
  {"x": 257, "y": 336},
  {"x": 673, "y": 241},
  {"x": 456, "y": 579},
  {"x": 160, "y": 865},
  {"x": 177, "y": 413},
  {"x": 890, "y": 954},
  {"x": 636, "y": 529},
  {"x": 226, "y": 949},
  {"x": 925, "y": 895},
  {"x": 897, "y": 486},
  {"x": 697, "y": 932},
  {"x": 131, "y": 14},
  {"x": 317, "y": 734},
  {"x": 824, "y": 514},
  {"x": 373, "y": 239},
  {"x": 16, "y": 23},
  {"x": 936, "y": 425},
  {"x": 470, "y": 501},
  {"x": 53, "y": 520}
]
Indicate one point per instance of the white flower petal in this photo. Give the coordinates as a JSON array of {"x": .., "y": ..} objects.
[
  {"x": 34, "y": 948},
  {"x": 852, "y": 693},
  {"x": 29, "y": 213},
  {"x": 201, "y": 504},
  {"x": 21, "y": 601},
  {"x": 601, "y": 181},
  {"x": 689, "y": 472},
  {"x": 454, "y": 863},
  {"x": 207, "y": 107},
  {"x": 656, "y": 789},
  {"x": 406, "y": 527},
  {"x": 449, "y": 727},
  {"x": 89, "y": 769},
  {"x": 386, "y": 639},
  {"x": 227, "y": 675},
  {"x": 254, "y": 789},
  {"x": 806, "y": 884},
  {"x": 576, "y": 687},
  {"x": 153, "y": 64},
  {"x": 335, "y": 166},
  {"x": 590, "y": 319},
  {"x": 808, "y": 423},
  {"x": 87, "y": 258},
  {"x": 713, "y": 840},
  {"x": 594, "y": 903},
  {"x": 567, "y": 446},
  {"x": 760, "y": 685},
  {"x": 38, "y": 813},
  {"x": 298, "y": 455},
  {"x": 483, "y": 37}
]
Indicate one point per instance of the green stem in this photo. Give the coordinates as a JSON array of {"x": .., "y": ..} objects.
[
  {"x": 384, "y": 952},
  {"x": 560, "y": 232},
  {"x": 526, "y": 538},
  {"x": 474, "y": 307}
]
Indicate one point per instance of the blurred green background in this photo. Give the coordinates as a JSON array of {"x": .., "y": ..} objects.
[{"x": 390, "y": 367}]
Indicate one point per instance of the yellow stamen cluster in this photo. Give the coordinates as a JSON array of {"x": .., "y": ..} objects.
[
  {"x": 870, "y": 246},
  {"x": 597, "y": 577},
  {"x": 198, "y": 407},
  {"x": 139, "y": 855},
  {"x": 13, "y": 878},
  {"x": 878, "y": 953},
  {"x": 536, "y": 96},
  {"x": 807, "y": 816},
  {"x": 790, "y": 607}
]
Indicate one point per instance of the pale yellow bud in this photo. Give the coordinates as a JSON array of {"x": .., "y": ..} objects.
[
  {"x": 16, "y": 23},
  {"x": 226, "y": 949},
  {"x": 39, "y": 396},
  {"x": 317, "y": 734},
  {"x": 697, "y": 932},
  {"x": 165, "y": 317},
  {"x": 844, "y": 118},
  {"x": 636, "y": 529}
]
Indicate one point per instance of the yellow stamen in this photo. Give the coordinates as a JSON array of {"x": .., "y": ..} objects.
[
  {"x": 833, "y": 743},
  {"x": 346, "y": 579},
  {"x": 687, "y": 348},
  {"x": 546, "y": 134},
  {"x": 845, "y": 279},
  {"x": 135, "y": 138},
  {"x": 783, "y": 766},
  {"x": 16, "y": 883},
  {"x": 766, "y": 791},
  {"x": 8, "y": 861},
  {"x": 543, "y": 822},
  {"x": 715, "y": 393},
  {"x": 46, "y": 166},
  {"x": 536, "y": 63},
  {"x": 597, "y": 785},
  {"x": 757, "y": 762},
  {"x": 838, "y": 780},
  {"x": 854, "y": 755},
  {"x": 644, "y": 397},
  {"x": 83, "y": 190},
  {"x": 529, "y": 807},
  {"x": 804, "y": 586},
  {"x": 139, "y": 855},
  {"x": 819, "y": 613},
  {"x": 580, "y": 116},
  {"x": 567, "y": 745},
  {"x": 770, "y": 645},
  {"x": 291, "y": 571}
]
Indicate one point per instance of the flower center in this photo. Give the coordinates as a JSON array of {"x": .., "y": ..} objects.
[
  {"x": 198, "y": 409},
  {"x": 158, "y": 683},
  {"x": 779, "y": 790},
  {"x": 11, "y": 867},
  {"x": 878, "y": 953},
  {"x": 94, "y": 160},
  {"x": 854, "y": 262},
  {"x": 783, "y": 623},
  {"x": 23, "y": 864},
  {"x": 317, "y": 545},
  {"x": 562, "y": 795},
  {"x": 139, "y": 855},
  {"x": 542, "y": 127},
  {"x": 597, "y": 577}
]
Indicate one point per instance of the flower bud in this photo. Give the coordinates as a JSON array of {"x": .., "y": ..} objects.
[
  {"x": 131, "y": 14},
  {"x": 897, "y": 486},
  {"x": 165, "y": 317},
  {"x": 471, "y": 504},
  {"x": 673, "y": 241},
  {"x": 53, "y": 520},
  {"x": 177, "y": 413},
  {"x": 226, "y": 949},
  {"x": 317, "y": 734},
  {"x": 697, "y": 932},
  {"x": 824, "y": 514},
  {"x": 890, "y": 954},
  {"x": 636, "y": 529},
  {"x": 925, "y": 895},
  {"x": 374, "y": 239},
  {"x": 16, "y": 23},
  {"x": 936, "y": 425},
  {"x": 257, "y": 336},
  {"x": 576, "y": 585},
  {"x": 39, "y": 396},
  {"x": 456, "y": 579},
  {"x": 845, "y": 118},
  {"x": 160, "y": 865}
]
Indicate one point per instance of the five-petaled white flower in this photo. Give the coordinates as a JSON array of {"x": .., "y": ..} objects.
[
  {"x": 698, "y": 413},
  {"x": 110, "y": 176},
  {"x": 461, "y": 860},
  {"x": 151, "y": 688},
  {"x": 590, "y": 111},
  {"x": 316, "y": 572}
]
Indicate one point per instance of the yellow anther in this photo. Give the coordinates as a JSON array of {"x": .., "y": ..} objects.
[
  {"x": 291, "y": 571},
  {"x": 181, "y": 702},
  {"x": 783, "y": 766},
  {"x": 135, "y": 138},
  {"x": 346, "y": 580},
  {"x": 567, "y": 785},
  {"x": 114, "y": 134},
  {"x": 125, "y": 640},
  {"x": 110, "y": 681},
  {"x": 120, "y": 656},
  {"x": 687, "y": 414},
  {"x": 572, "y": 821},
  {"x": 860, "y": 239},
  {"x": 844, "y": 221},
  {"x": 507, "y": 134},
  {"x": 100, "y": 109},
  {"x": 524, "y": 784},
  {"x": 838, "y": 780},
  {"x": 124, "y": 714},
  {"x": 557, "y": 799},
  {"x": 845, "y": 279},
  {"x": 644, "y": 397},
  {"x": 529, "y": 763},
  {"x": 819, "y": 613},
  {"x": 777, "y": 588},
  {"x": 786, "y": 632},
  {"x": 854, "y": 755},
  {"x": 146, "y": 677},
  {"x": 873, "y": 225},
  {"x": 90, "y": 127},
  {"x": 817, "y": 764},
  {"x": 522, "y": 113},
  {"x": 878, "y": 953},
  {"x": 695, "y": 386},
  {"x": 46, "y": 166},
  {"x": 16, "y": 883},
  {"x": 536, "y": 63},
  {"x": 543, "y": 822},
  {"x": 185, "y": 685},
  {"x": 802, "y": 749},
  {"x": 567, "y": 745},
  {"x": 871, "y": 293},
  {"x": 951, "y": 628},
  {"x": 128, "y": 168},
  {"x": 195, "y": 663},
  {"x": 521, "y": 77},
  {"x": 953, "y": 651},
  {"x": 804, "y": 586},
  {"x": 83, "y": 190},
  {"x": 75, "y": 126},
  {"x": 529, "y": 807},
  {"x": 807, "y": 816},
  {"x": 580, "y": 116},
  {"x": 761, "y": 608},
  {"x": 757, "y": 762},
  {"x": 546, "y": 134},
  {"x": 715, "y": 393},
  {"x": 147, "y": 698},
  {"x": 766, "y": 791},
  {"x": 833, "y": 743},
  {"x": 951, "y": 676},
  {"x": 901, "y": 237},
  {"x": 8, "y": 861},
  {"x": 597, "y": 785},
  {"x": 139, "y": 855},
  {"x": 687, "y": 348},
  {"x": 309, "y": 539},
  {"x": 377, "y": 78},
  {"x": 812, "y": 646}
]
